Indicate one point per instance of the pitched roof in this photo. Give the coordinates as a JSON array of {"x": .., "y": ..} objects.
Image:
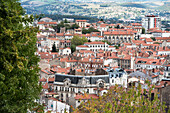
[
  {"x": 136, "y": 24},
  {"x": 148, "y": 40},
  {"x": 42, "y": 80},
  {"x": 81, "y": 20},
  {"x": 51, "y": 79},
  {"x": 94, "y": 43},
  {"x": 162, "y": 38},
  {"x": 42, "y": 22},
  {"x": 118, "y": 33},
  {"x": 83, "y": 46},
  {"x": 45, "y": 86}
]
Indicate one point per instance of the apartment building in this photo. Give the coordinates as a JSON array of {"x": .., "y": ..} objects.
[{"x": 151, "y": 21}]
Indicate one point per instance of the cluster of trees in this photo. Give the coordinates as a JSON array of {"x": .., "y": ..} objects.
[
  {"x": 19, "y": 71},
  {"x": 54, "y": 49},
  {"x": 75, "y": 17},
  {"x": 153, "y": 38},
  {"x": 76, "y": 40},
  {"x": 122, "y": 100},
  {"x": 91, "y": 29},
  {"x": 143, "y": 30},
  {"x": 65, "y": 24}
]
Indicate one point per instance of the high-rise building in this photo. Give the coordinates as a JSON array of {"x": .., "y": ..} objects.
[{"x": 151, "y": 21}]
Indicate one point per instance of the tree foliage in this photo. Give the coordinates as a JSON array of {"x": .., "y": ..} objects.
[
  {"x": 54, "y": 48},
  {"x": 74, "y": 26},
  {"x": 143, "y": 30},
  {"x": 106, "y": 42},
  {"x": 18, "y": 63},
  {"x": 76, "y": 40},
  {"x": 91, "y": 29},
  {"x": 153, "y": 38},
  {"x": 66, "y": 25},
  {"x": 121, "y": 100},
  {"x": 75, "y": 17},
  {"x": 118, "y": 27}
]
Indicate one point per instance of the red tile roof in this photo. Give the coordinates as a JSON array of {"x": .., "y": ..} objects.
[
  {"x": 94, "y": 43},
  {"x": 51, "y": 79},
  {"x": 118, "y": 33},
  {"x": 148, "y": 40},
  {"x": 42, "y": 80},
  {"x": 162, "y": 38},
  {"x": 150, "y": 61},
  {"x": 83, "y": 46},
  {"x": 51, "y": 93},
  {"x": 47, "y": 22},
  {"x": 136, "y": 24},
  {"x": 45, "y": 86},
  {"x": 81, "y": 20},
  {"x": 67, "y": 41},
  {"x": 162, "y": 84}
]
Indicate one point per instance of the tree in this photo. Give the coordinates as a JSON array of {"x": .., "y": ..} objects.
[
  {"x": 19, "y": 71},
  {"x": 76, "y": 40},
  {"x": 143, "y": 30},
  {"x": 65, "y": 21},
  {"x": 60, "y": 25},
  {"x": 106, "y": 42},
  {"x": 91, "y": 29},
  {"x": 118, "y": 27},
  {"x": 101, "y": 19},
  {"x": 121, "y": 100},
  {"x": 75, "y": 26},
  {"x": 54, "y": 48},
  {"x": 153, "y": 38},
  {"x": 73, "y": 48}
]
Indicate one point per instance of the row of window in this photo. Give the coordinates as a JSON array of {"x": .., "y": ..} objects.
[
  {"x": 70, "y": 89},
  {"x": 118, "y": 38},
  {"x": 98, "y": 46},
  {"x": 101, "y": 49},
  {"x": 64, "y": 89}
]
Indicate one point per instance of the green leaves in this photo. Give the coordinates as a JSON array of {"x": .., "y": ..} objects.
[
  {"x": 76, "y": 40},
  {"x": 18, "y": 70},
  {"x": 120, "y": 100}
]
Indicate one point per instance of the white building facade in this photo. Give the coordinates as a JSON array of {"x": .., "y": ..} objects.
[{"x": 151, "y": 21}]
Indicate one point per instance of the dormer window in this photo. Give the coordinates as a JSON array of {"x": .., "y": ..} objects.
[
  {"x": 153, "y": 62},
  {"x": 139, "y": 61}
]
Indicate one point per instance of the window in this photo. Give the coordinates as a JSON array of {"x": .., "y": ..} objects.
[
  {"x": 101, "y": 85},
  {"x": 87, "y": 90},
  {"x": 113, "y": 81},
  {"x": 78, "y": 90}
]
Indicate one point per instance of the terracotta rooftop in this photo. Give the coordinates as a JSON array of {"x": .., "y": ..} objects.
[{"x": 94, "y": 43}]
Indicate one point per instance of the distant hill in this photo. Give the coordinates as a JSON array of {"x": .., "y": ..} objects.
[
  {"x": 166, "y": 6},
  {"x": 103, "y": 9},
  {"x": 75, "y": 17},
  {"x": 95, "y": 0},
  {"x": 133, "y": 5}
]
